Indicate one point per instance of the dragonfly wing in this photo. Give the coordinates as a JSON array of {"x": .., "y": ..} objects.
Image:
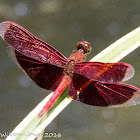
[
  {"x": 102, "y": 93},
  {"x": 109, "y": 94},
  {"x": 43, "y": 74},
  {"x": 105, "y": 72},
  {"x": 30, "y": 46},
  {"x": 75, "y": 85},
  {"x": 85, "y": 91}
]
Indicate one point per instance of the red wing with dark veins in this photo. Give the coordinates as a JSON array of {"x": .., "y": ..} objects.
[
  {"x": 105, "y": 72},
  {"x": 29, "y": 45},
  {"x": 108, "y": 94},
  {"x": 75, "y": 85},
  {"x": 103, "y": 94},
  {"x": 43, "y": 74}
]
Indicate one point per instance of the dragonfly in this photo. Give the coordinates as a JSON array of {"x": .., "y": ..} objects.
[{"x": 92, "y": 83}]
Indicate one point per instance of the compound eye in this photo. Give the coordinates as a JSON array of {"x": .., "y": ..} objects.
[
  {"x": 85, "y": 46},
  {"x": 79, "y": 46}
]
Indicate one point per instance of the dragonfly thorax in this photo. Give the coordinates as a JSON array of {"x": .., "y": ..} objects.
[{"x": 68, "y": 68}]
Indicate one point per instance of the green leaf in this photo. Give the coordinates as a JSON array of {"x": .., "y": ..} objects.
[
  {"x": 122, "y": 47},
  {"x": 31, "y": 127}
]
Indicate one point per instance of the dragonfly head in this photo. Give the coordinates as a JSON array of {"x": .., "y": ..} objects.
[{"x": 85, "y": 46}]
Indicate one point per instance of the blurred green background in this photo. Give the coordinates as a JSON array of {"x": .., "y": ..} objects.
[{"x": 62, "y": 24}]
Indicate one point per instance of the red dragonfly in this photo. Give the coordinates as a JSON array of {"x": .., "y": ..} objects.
[{"x": 92, "y": 83}]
